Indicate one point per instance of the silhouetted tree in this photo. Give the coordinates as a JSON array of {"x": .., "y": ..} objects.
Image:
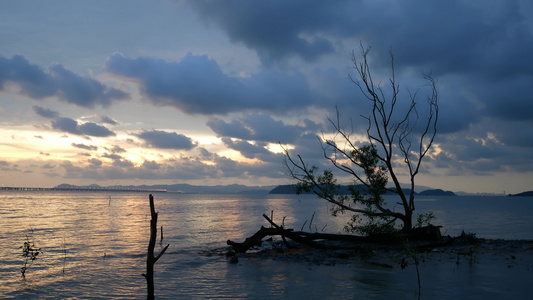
[{"x": 395, "y": 140}]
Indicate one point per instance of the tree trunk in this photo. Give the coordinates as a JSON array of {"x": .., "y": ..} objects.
[
  {"x": 408, "y": 221},
  {"x": 151, "y": 259}
]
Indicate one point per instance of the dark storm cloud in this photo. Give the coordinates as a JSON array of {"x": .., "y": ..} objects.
[
  {"x": 166, "y": 140},
  {"x": 44, "y": 112},
  {"x": 197, "y": 85},
  {"x": 447, "y": 36},
  {"x": 59, "y": 82},
  {"x": 90, "y": 129},
  {"x": 276, "y": 29},
  {"x": 478, "y": 48},
  {"x": 509, "y": 98}
]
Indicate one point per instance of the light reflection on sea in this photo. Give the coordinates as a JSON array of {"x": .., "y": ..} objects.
[{"x": 94, "y": 246}]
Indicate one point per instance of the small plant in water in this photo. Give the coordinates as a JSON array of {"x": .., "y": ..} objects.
[
  {"x": 30, "y": 253},
  {"x": 410, "y": 253}
]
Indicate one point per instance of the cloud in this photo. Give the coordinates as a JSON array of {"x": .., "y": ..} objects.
[
  {"x": 31, "y": 78},
  {"x": 260, "y": 127},
  {"x": 66, "y": 124},
  {"x": 246, "y": 148},
  {"x": 233, "y": 128},
  {"x": 85, "y": 147},
  {"x": 197, "y": 85},
  {"x": 58, "y": 82},
  {"x": 108, "y": 120},
  {"x": 8, "y": 167},
  {"x": 277, "y": 30},
  {"x": 95, "y": 162},
  {"x": 481, "y": 49},
  {"x": 448, "y": 36},
  {"x": 151, "y": 165},
  {"x": 72, "y": 126},
  {"x": 166, "y": 140},
  {"x": 44, "y": 112},
  {"x": 93, "y": 129},
  {"x": 113, "y": 156},
  {"x": 117, "y": 149},
  {"x": 184, "y": 168},
  {"x": 90, "y": 129}
]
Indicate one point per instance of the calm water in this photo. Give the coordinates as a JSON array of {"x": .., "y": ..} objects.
[{"x": 95, "y": 243}]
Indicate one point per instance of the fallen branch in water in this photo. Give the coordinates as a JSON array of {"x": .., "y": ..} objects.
[{"x": 429, "y": 234}]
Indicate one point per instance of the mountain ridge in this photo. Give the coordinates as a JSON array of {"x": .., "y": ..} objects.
[{"x": 186, "y": 188}]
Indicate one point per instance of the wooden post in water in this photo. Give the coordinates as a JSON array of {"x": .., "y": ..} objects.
[{"x": 151, "y": 259}]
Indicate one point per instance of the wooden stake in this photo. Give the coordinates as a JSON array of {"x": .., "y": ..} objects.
[{"x": 151, "y": 259}]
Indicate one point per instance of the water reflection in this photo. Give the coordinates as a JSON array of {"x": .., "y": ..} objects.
[{"x": 106, "y": 241}]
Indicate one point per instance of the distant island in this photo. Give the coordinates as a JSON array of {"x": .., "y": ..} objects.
[
  {"x": 436, "y": 192},
  {"x": 239, "y": 189},
  {"x": 291, "y": 189},
  {"x": 523, "y": 194}
]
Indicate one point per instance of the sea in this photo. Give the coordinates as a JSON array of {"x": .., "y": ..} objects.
[{"x": 93, "y": 246}]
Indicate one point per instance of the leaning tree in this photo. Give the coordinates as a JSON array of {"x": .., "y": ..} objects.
[{"x": 398, "y": 137}]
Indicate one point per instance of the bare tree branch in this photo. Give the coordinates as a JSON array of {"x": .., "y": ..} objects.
[{"x": 391, "y": 135}]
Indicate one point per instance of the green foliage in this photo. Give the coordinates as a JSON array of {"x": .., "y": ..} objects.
[
  {"x": 376, "y": 172},
  {"x": 371, "y": 226},
  {"x": 369, "y": 195},
  {"x": 365, "y": 194},
  {"x": 424, "y": 219}
]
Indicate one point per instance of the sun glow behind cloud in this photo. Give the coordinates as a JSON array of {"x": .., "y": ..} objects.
[{"x": 205, "y": 93}]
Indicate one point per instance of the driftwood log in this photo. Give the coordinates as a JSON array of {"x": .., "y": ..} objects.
[
  {"x": 428, "y": 233},
  {"x": 301, "y": 237}
]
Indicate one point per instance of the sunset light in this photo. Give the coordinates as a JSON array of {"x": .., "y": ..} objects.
[{"x": 204, "y": 95}]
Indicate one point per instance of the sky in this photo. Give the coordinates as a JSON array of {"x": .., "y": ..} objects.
[{"x": 204, "y": 92}]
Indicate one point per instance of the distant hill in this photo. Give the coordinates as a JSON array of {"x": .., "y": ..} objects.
[
  {"x": 436, "y": 192},
  {"x": 284, "y": 189},
  {"x": 523, "y": 194},
  {"x": 189, "y": 189},
  {"x": 345, "y": 190},
  {"x": 291, "y": 189}
]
